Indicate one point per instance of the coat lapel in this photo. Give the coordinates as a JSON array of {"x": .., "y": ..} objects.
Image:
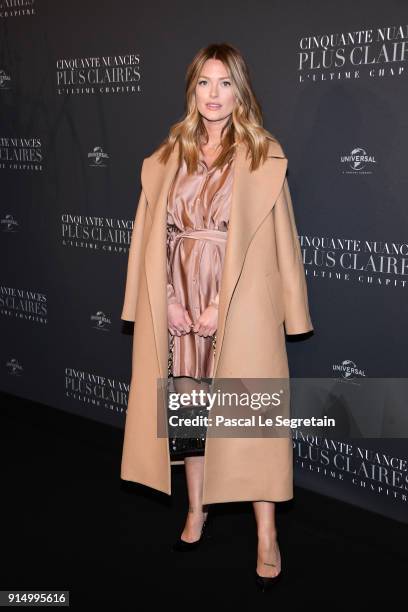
[{"x": 253, "y": 196}]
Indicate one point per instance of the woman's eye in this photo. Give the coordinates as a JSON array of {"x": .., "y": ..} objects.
[{"x": 204, "y": 81}]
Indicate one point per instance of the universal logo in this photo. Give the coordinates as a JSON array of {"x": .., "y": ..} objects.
[
  {"x": 90, "y": 388},
  {"x": 9, "y": 224},
  {"x": 96, "y": 233},
  {"x": 23, "y": 304},
  {"x": 102, "y": 321},
  {"x": 20, "y": 153},
  {"x": 16, "y": 8},
  {"x": 14, "y": 368},
  {"x": 4, "y": 80},
  {"x": 106, "y": 74},
  {"x": 348, "y": 370},
  {"x": 358, "y": 161},
  {"x": 346, "y": 56},
  {"x": 97, "y": 157}
]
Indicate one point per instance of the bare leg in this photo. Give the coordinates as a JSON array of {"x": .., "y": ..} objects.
[
  {"x": 194, "y": 467},
  {"x": 269, "y": 560},
  {"x": 196, "y": 516}
]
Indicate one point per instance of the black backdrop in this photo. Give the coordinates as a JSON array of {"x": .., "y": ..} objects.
[{"x": 89, "y": 88}]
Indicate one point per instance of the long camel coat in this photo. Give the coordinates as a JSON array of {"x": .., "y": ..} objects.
[{"x": 263, "y": 294}]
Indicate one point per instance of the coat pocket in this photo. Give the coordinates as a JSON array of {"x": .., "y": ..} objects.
[{"x": 276, "y": 300}]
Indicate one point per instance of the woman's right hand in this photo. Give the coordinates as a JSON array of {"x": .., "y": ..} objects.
[{"x": 179, "y": 321}]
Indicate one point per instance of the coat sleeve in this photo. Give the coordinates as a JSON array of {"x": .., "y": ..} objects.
[
  {"x": 291, "y": 268},
  {"x": 135, "y": 260}
]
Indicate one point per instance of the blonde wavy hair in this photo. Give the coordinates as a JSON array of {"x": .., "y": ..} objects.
[{"x": 245, "y": 123}]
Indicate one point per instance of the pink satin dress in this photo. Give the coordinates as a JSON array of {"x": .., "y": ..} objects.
[{"x": 198, "y": 210}]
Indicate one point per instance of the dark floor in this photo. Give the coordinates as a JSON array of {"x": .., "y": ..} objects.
[{"x": 70, "y": 523}]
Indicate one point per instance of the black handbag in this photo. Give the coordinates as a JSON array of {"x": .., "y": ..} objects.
[{"x": 181, "y": 446}]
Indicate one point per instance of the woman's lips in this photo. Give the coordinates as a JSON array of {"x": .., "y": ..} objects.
[{"x": 213, "y": 106}]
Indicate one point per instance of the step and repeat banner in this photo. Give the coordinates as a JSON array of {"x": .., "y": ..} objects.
[{"x": 90, "y": 88}]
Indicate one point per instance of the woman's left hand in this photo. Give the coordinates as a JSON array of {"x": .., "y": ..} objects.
[{"x": 207, "y": 323}]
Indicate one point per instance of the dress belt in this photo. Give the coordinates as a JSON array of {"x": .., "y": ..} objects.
[{"x": 203, "y": 234}]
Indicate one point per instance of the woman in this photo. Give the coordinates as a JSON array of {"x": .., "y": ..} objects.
[{"x": 220, "y": 173}]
